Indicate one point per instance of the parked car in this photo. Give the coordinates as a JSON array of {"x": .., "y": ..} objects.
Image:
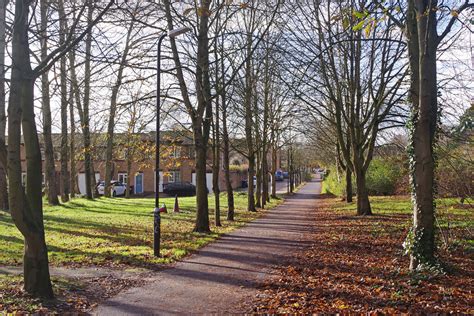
[
  {"x": 279, "y": 175},
  {"x": 116, "y": 188},
  {"x": 180, "y": 189},
  {"x": 245, "y": 183},
  {"x": 285, "y": 175}
]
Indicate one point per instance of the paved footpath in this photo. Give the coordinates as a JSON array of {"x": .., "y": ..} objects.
[{"x": 220, "y": 277}]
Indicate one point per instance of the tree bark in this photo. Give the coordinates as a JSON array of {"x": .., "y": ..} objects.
[
  {"x": 349, "y": 192},
  {"x": 258, "y": 186},
  {"x": 65, "y": 182},
  {"x": 85, "y": 119},
  {"x": 201, "y": 117},
  {"x": 216, "y": 145},
  {"x": 363, "y": 204},
  {"x": 26, "y": 209},
  {"x": 202, "y": 214},
  {"x": 291, "y": 170},
  {"x": 3, "y": 119},
  {"x": 113, "y": 110},
  {"x": 73, "y": 91},
  {"x": 248, "y": 127},
  {"x": 226, "y": 153},
  {"x": 274, "y": 163},
  {"x": 50, "y": 171},
  {"x": 425, "y": 118}
]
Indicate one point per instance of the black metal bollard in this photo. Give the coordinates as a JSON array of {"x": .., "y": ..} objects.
[{"x": 156, "y": 231}]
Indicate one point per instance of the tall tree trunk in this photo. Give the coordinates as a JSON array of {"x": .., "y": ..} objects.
[
  {"x": 216, "y": 146},
  {"x": 265, "y": 179},
  {"x": 291, "y": 170},
  {"x": 202, "y": 215},
  {"x": 85, "y": 119},
  {"x": 349, "y": 192},
  {"x": 26, "y": 209},
  {"x": 258, "y": 186},
  {"x": 424, "y": 122},
  {"x": 226, "y": 144},
  {"x": 3, "y": 118},
  {"x": 274, "y": 169},
  {"x": 113, "y": 110},
  {"x": 72, "y": 122},
  {"x": 46, "y": 108},
  {"x": 64, "y": 108},
  {"x": 226, "y": 154},
  {"x": 363, "y": 204},
  {"x": 249, "y": 125}
]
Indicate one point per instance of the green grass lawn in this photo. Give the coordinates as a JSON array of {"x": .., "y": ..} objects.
[
  {"x": 120, "y": 231},
  {"x": 456, "y": 221}
]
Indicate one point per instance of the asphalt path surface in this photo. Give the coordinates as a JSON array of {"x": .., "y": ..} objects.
[{"x": 222, "y": 276}]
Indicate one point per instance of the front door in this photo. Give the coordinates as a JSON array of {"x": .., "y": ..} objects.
[{"x": 139, "y": 183}]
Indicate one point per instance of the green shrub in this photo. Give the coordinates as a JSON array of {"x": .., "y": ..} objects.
[
  {"x": 382, "y": 176},
  {"x": 331, "y": 184}
]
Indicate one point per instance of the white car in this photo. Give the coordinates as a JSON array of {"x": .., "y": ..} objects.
[{"x": 116, "y": 188}]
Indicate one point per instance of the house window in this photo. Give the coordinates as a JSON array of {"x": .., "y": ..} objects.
[
  {"x": 176, "y": 152},
  {"x": 174, "y": 176},
  {"x": 191, "y": 152},
  {"x": 23, "y": 179},
  {"x": 123, "y": 177}
]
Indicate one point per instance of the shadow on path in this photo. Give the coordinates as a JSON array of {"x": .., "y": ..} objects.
[{"x": 223, "y": 274}]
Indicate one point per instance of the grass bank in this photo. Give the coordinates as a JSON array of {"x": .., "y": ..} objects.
[{"x": 120, "y": 231}]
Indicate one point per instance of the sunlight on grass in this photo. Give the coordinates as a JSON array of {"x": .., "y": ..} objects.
[
  {"x": 120, "y": 231},
  {"x": 455, "y": 219}
]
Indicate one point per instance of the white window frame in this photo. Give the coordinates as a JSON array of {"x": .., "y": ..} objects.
[
  {"x": 172, "y": 176},
  {"x": 160, "y": 174},
  {"x": 124, "y": 175},
  {"x": 176, "y": 152}
]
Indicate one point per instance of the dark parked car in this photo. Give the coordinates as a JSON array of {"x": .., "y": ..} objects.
[
  {"x": 180, "y": 189},
  {"x": 285, "y": 175},
  {"x": 279, "y": 175}
]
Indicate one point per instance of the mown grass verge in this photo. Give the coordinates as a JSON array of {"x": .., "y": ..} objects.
[{"x": 119, "y": 231}]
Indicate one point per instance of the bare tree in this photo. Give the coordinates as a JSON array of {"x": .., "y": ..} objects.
[
  {"x": 27, "y": 207},
  {"x": 3, "y": 119}
]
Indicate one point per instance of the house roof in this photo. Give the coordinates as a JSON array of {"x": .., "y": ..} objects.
[{"x": 183, "y": 137}]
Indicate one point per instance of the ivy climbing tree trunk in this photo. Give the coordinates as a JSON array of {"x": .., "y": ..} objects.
[{"x": 423, "y": 41}]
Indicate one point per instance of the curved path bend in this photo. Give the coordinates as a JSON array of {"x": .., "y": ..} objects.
[{"x": 220, "y": 277}]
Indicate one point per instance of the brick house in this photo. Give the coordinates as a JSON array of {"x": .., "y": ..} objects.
[{"x": 176, "y": 165}]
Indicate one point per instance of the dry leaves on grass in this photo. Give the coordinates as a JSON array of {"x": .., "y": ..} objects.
[
  {"x": 356, "y": 264},
  {"x": 73, "y": 296}
]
